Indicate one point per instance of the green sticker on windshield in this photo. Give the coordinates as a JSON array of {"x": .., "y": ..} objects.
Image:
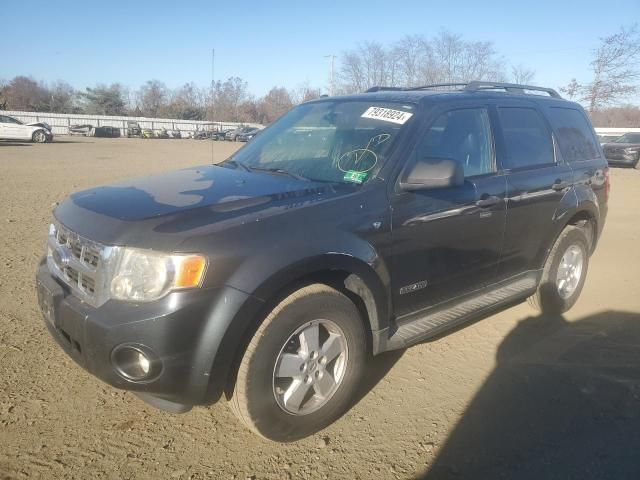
[{"x": 355, "y": 177}]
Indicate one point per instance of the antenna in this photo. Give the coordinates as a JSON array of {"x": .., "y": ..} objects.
[{"x": 213, "y": 58}]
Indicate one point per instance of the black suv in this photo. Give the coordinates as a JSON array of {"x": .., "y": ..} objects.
[{"x": 352, "y": 226}]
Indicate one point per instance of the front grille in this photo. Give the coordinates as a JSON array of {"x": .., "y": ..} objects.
[{"x": 78, "y": 262}]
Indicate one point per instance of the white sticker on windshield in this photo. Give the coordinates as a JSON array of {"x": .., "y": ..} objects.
[{"x": 387, "y": 115}]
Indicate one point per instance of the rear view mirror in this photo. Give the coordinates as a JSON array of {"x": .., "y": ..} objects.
[{"x": 430, "y": 173}]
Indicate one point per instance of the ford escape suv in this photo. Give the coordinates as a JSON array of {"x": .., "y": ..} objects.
[{"x": 352, "y": 226}]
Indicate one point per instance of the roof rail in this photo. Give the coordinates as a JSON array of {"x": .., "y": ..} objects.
[
  {"x": 382, "y": 89},
  {"x": 476, "y": 85},
  {"x": 436, "y": 85}
]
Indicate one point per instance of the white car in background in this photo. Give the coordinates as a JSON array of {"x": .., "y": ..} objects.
[{"x": 13, "y": 129}]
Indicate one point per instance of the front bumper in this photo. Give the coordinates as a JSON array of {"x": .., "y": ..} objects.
[{"x": 184, "y": 331}]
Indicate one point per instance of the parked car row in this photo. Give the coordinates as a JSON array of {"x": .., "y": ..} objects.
[
  {"x": 240, "y": 134},
  {"x": 624, "y": 151},
  {"x": 13, "y": 129}
]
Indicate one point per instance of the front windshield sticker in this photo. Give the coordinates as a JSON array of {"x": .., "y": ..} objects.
[
  {"x": 387, "y": 115},
  {"x": 354, "y": 176}
]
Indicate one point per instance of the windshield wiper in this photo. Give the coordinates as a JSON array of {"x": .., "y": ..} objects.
[
  {"x": 280, "y": 171},
  {"x": 236, "y": 164}
]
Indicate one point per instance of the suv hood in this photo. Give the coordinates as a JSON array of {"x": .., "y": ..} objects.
[{"x": 186, "y": 202}]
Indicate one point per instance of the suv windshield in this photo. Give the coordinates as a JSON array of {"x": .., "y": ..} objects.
[
  {"x": 629, "y": 138},
  {"x": 329, "y": 141}
]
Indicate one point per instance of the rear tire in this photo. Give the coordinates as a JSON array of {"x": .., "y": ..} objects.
[
  {"x": 293, "y": 382},
  {"x": 564, "y": 273}
]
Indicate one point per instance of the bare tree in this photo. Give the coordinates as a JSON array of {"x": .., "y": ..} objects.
[
  {"x": 62, "y": 98},
  {"x": 228, "y": 97},
  {"x": 411, "y": 54},
  {"x": 521, "y": 74},
  {"x": 152, "y": 97},
  {"x": 615, "y": 69},
  {"x": 417, "y": 60},
  {"x": 187, "y": 102},
  {"x": 303, "y": 93},
  {"x": 572, "y": 89},
  {"x": 368, "y": 65},
  {"x": 274, "y": 104},
  {"x": 24, "y": 93}
]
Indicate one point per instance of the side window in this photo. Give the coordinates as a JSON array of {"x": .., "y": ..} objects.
[
  {"x": 3, "y": 119},
  {"x": 463, "y": 135},
  {"x": 575, "y": 136},
  {"x": 526, "y": 137}
]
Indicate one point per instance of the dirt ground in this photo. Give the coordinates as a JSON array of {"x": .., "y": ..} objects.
[{"x": 513, "y": 396}]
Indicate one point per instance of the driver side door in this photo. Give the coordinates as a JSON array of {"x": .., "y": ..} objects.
[{"x": 448, "y": 241}]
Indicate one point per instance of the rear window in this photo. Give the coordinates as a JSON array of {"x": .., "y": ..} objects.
[
  {"x": 575, "y": 137},
  {"x": 526, "y": 137}
]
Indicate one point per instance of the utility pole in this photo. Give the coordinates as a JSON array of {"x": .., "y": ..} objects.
[
  {"x": 213, "y": 57},
  {"x": 331, "y": 61}
]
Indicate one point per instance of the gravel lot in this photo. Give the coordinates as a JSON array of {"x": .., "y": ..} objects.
[{"x": 513, "y": 396}]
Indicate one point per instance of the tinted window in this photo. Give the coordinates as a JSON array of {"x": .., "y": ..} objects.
[
  {"x": 629, "y": 138},
  {"x": 462, "y": 135},
  {"x": 526, "y": 137},
  {"x": 575, "y": 137}
]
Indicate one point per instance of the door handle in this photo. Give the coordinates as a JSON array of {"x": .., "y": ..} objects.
[
  {"x": 488, "y": 201},
  {"x": 560, "y": 185}
]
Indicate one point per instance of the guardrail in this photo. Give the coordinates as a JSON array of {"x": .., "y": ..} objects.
[
  {"x": 60, "y": 122},
  {"x": 615, "y": 131}
]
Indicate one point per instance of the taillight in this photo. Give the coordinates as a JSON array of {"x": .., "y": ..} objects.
[{"x": 607, "y": 185}]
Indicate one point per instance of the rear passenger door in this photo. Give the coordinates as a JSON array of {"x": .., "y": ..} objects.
[{"x": 537, "y": 182}]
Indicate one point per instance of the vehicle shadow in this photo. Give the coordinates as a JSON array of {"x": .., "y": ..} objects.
[
  {"x": 563, "y": 402},
  {"x": 375, "y": 370},
  {"x": 4, "y": 143}
]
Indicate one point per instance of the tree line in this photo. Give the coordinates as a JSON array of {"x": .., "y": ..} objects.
[
  {"x": 227, "y": 101},
  {"x": 413, "y": 60}
]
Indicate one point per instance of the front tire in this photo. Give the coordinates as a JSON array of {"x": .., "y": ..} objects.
[
  {"x": 564, "y": 272},
  {"x": 39, "y": 137},
  {"x": 302, "y": 367}
]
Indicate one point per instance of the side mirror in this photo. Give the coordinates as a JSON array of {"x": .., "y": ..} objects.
[{"x": 431, "y": 173}]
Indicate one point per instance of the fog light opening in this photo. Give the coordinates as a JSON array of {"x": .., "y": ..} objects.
[
  {"x": 134, "y": 362},
  {"x": 144, "y": 363}
]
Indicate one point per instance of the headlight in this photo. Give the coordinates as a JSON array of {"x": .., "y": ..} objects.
[{"x": 145, "y": 275}]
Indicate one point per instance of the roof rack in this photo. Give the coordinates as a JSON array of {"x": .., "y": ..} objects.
[
  {"x": 438, "y": 85},
  {"x": 475, "y": 86},
  {"x": 383, "y": 89}
]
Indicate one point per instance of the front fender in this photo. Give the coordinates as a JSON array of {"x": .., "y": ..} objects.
[{"x": 266, "y": 275}]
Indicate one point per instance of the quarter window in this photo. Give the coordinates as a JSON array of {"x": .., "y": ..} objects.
[
  {"x": 461, "y": 135},
  {"x": 575, "y": 137},
  {"x": 527, "y": 139}
]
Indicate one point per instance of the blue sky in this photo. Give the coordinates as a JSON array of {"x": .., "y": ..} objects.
[{"x": 283, "y": 42}]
